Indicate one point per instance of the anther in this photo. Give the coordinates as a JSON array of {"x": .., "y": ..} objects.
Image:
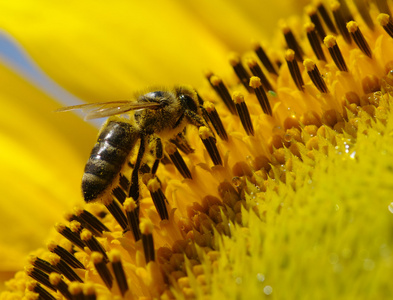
[
  {"x": 210, "y": 144},
  {"x": 312, "y": 13},
  {"x": 335, "y": 52},
  {"x": 69, "y": 235},
  {"x": 76, "y": 290},
  {"x": 255, "y": 83},
  {"x": 178, "y": 160},
  {"x": 314, "y": 42},
  {"x": 264, "y": 59},
  {"x": 294, "y": 69},
  {"x": 146, "y": 227},
  {"x": 76, "y": 227},
  {"x": 243, "y": 113},
  {"x": 99, "y": 263},
  {"x": 89, "y": 291},
  {"x": 358, "y": 37},
  {"x": 61, "y": 286},
  {"x": 64, "y": 269},
  {"x": 158, "y": 197},
  {"x": 215, "y": 120},
  {"x": 340, "y": 20},
  {"x": 241, "y": 72},
  {"x": 383, "y": 7},
  {"x": 119, "y": 194},
  {"x": 121, "y": 279},
  {"x": 257, "y": 71},
  {"x": 90, "y": 221},
  {"x": 92, "y": 243},
  {"x": 43, "y": 265},
  {"x": 116, "y": 211},
  {"x": 326, "y": 18},
  {"x": 39, "y": 276},
  {"x": 315, "y": 75},
  {"x": 124, "y": 183},
  {"x": 223, "y": 92},
  {"x": 65, "y": 255},
  {"x": 386, "y": 23},
  {"x": 132, "y": 213},
  {"x": 35, "y": 287},
  {"x": 291, "y": 42},
  {"x": 364, "y": 10}
]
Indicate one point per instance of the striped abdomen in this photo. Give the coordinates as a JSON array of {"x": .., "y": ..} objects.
[{"x": 113, "y": 146}]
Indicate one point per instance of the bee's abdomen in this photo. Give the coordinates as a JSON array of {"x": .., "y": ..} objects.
[{"x": 114, "y": 145}]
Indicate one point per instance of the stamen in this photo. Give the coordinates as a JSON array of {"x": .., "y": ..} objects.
[
  {"x": 314, "y": 42},
  {"x": 177, "y": 160},
  {"x": 92, "y": 243},
  {"x": 294, "y": 69},
  {"x": 243, "y": 113},
  {"x": 210, "y": 144},
  {"x": 64, "y": 269},
  {"x": 264, "y": 59},
  {"x": 76, "y": 227},
  {"x": 89, "y": 291},
  {"x": 315, "y": 75},
  {"x": 223, "y": 92},
  {"x": 146, "y": 227},
  {"x": 383, "y": 6},
  {"x": 119, "y": 194},
  {"x": 335, "y": 52},
  {"x": 340, "y": 20},
  {"x": 43, "y": 294},
  {"x": 62, "y": 287},
  {"x": 255, "y": 83},
  {"x": 76, "y": 290},
  {"x": 39, "y": 276},
  {"x": 102, "y": 269},
  {"x": 43, "y": 265},
  {"x": 215, "y": 120},
  {"x": 65, "y": 255},
  {"x": 69, "y": 235},
  {"x": 291, "y": 42},
  {"x": 124, "y": 183},
  {"x": 90, "y": 221},
  {"x": 118, "y": 270},
  {"x": 116, "y": 211},
  {"x": 358, "y": 37},
  {"x": 326, "y": 18},
  {"x": 158, "y": 197},
  {"x": 386, "y": 23},
  {"x": 257, "y": 71},
  {"x": 241, "y": 72},
  {"x": 312, "y": 13},
  {"x": 364, "y": 10},
  {"x": 132, "y": 213}
]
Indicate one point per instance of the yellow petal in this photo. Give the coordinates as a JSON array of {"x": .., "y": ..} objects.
[{"x": 41, "y": 165}]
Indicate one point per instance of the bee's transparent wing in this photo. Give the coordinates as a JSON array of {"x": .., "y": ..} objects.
[{"x": 107, "y": 109}]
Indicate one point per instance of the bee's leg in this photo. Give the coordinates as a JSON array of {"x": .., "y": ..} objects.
[
  {"x": 159, "y": 154},
  {"x": 134, "y": 188}
]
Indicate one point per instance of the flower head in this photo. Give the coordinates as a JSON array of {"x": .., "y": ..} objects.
[{"x": 284, "y": 189}]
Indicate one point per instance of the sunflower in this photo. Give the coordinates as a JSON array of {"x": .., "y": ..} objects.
[{"x": 287, "y": 195}]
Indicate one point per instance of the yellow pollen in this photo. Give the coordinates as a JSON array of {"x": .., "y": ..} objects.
[
  {"x": 335, "y": 5},
  {"x": 86, "y": 235},
  {"x": 153, "y": 185},
  {"x": 234, "y": 59},
  {"x": 309, "y": 26},
  {"x": 255, "y": 82},
  {"x": 204, "y": 132},
  {"x": 114, "y": 256},
  {"x": 96, "y": 257},
  {"x": 309, "y": 64},
  {"x": 383, "y": 19},
  {"x": 352, "y": 26},
  {"x": 289, "y": 55},
  {"x": 146, "y": 226},
  {"x": 54, "y": 278},
  {"x": 215, "y": 80},
  {"x": 129, "y": 204},
  {"x": 330, "y": 41},
  {"x": 209, "y": 106},
  {"x": 75, "y": 288},
  {"x": 237, "y": 97}
]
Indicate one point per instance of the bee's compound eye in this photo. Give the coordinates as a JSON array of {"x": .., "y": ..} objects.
[{"x": 189, "y": 102}]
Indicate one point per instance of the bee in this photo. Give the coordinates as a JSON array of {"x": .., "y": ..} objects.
[{"x": 160, "y": 115}]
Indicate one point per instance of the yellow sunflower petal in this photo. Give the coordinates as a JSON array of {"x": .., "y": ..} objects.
[{"x": 41, "y": 166}]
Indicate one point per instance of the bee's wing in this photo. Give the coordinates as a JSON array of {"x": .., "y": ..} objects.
[{"x": 107, "y": 109}]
